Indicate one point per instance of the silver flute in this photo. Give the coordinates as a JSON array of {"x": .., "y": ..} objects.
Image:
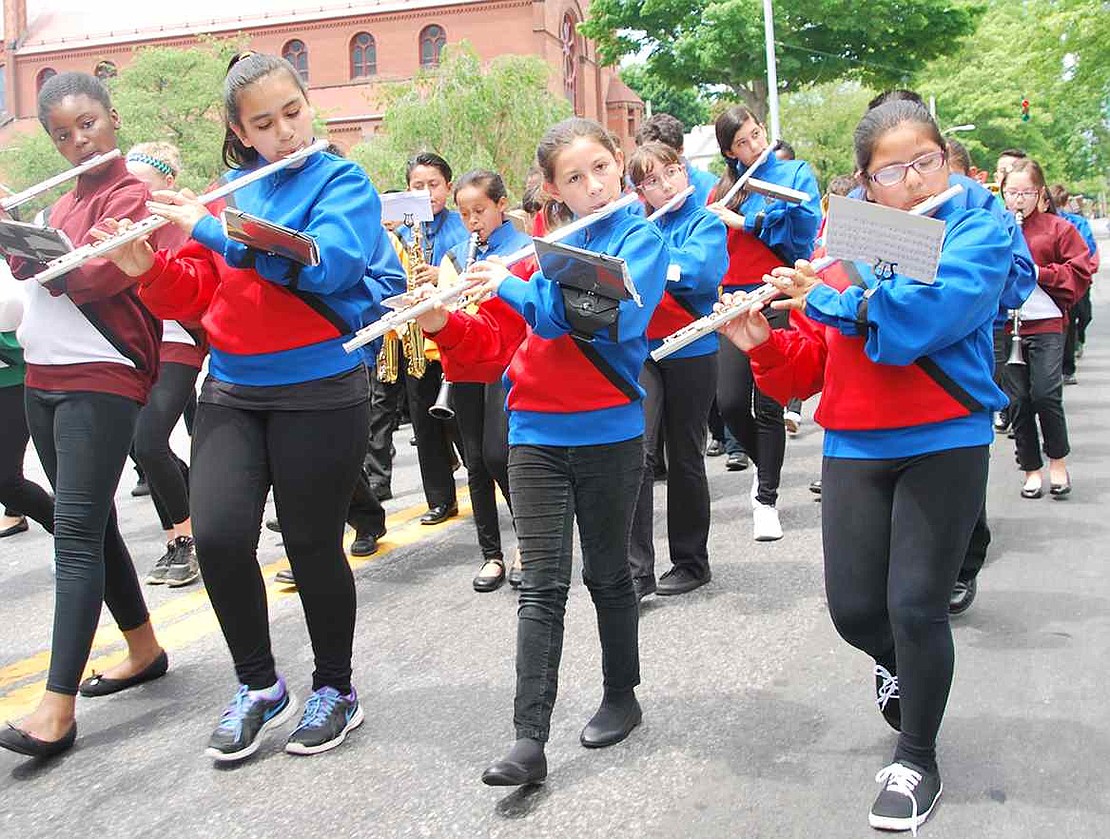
[
  {"x": 710, "y": 323},
  {"x": 743, "y": 180},
  {"x": 13, "y": 201},
  {"x": 148, "y": 225},
  {"x": 670, "y": 205},
  {"x": 399, "y": 318}
]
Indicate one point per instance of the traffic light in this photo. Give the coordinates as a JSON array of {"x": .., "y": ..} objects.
[{"x": 1025, "y": 110}]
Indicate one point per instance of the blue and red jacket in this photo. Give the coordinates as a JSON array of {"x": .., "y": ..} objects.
[
  {"x": 269, "y": 320},
  {"x": 903, "y": 367},
  {"x": 441, "y": 234},
  {"x": 697, "y": 239},
  {"x": 701, "y": 180},
  {"x": 562, "y": 391},
  {"x": 1083, "y": 226},
  {"x": 775, "y": 232}
]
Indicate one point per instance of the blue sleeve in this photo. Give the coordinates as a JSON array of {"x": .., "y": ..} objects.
[
  {"x": 907, "y": 320},
  {"x": 838, "y": 309},
  {"x": 385, "y": 276},
  {"x": 346, "y": 222},
  {"x": 1023, "y": 272},
  {"x": 539, "y": 301},
  {"x": 1087, "y": 234},
  {"x": 209, "y": 231},
  {"x": 787, "y": 228},
  {"x": 699, "y": 256}
]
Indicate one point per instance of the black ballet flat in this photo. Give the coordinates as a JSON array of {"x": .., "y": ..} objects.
[
  {"x": 19, "y": 741},
  {"x": 1060, "y": 491},
  {"x": 511, "y": 773},
  {"x": 1032, "y": 493},
  {"x": 20, "y": 526},
  {"x": 98, "y": 685}
]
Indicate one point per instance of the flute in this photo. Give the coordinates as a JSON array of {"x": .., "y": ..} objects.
[
  {"x": 148, "y": 225},
  {"x": 710, "y": 323},
  {"x": 670, "y": 205},
  {"x": 399, "y": 318},
  {"x": 742, "y": 181},
  {"x": 13, "y": 201}
]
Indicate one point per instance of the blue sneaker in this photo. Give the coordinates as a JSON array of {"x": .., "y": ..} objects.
[
  {"x": 328, "y": 717},
  {"x": 247, "y": 718}
]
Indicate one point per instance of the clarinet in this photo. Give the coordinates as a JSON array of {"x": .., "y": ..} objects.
[{"x": 441, "y": 408}]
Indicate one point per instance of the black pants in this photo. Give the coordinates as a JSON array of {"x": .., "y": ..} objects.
[
  {"x": 895, "y": 533},
  {"x": 752, "y": 416},
  {"x": 82, "y": 441},
  {"x": 719, "y": 431},
  {"x": 483, "y": 426},
  {"x": 433, "y": 438},
  {"x": 311, "y": 458},
  {"x": 551, "y": 487},
  {"x": 17, "y": 494},
  {"x": 1036, "y": 391},
  {"x": 168, "y": 482},
  {"x": 365, "y": 512},
  {"x": 1079, "y": 318},
  {"x": 679, "y": 393},
  {"x": 386, "y": 400}
]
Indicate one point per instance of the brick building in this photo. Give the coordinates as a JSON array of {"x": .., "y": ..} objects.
[{"x": 343, "y": 49}]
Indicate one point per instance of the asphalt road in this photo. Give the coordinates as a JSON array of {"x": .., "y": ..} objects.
[{"x": 758, "y": 720}]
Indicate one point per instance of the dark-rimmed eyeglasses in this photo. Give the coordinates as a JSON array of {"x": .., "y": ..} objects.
[{"x": 895, "y": 173}]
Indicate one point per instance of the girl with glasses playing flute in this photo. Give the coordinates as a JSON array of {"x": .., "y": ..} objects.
[
  {"x": 91, "y": 352},
  {"x": 763, "y": 234},
  {"x": 283, "y": 403},
  {"x": 903, "y": 477}
]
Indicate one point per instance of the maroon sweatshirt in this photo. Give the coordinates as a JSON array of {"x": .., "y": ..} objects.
[{"x": 1063, "y": 267}]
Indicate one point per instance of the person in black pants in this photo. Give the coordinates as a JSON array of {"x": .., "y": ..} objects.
[{"x": 21, "y": 496}]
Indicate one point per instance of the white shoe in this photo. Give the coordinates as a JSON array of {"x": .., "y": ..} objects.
[
  {"x": 793, "y": 421},
  {"x": 765, "y": 523}
]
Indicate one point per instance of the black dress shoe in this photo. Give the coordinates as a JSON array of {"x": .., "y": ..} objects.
[
  {"x": 20, "y": 742},
  {"x": 512, "y": 773},
  {"x": 612, "y": 723},
  {"x": 20, "y": 526},
  {"x": 1032, "y": 493},
  {"x": 1057, "y": 491},
  {"x": 679, "y": 580},
  {"x": 815, "y": 487},
  {"x": 439, "y": 514},
  {"x": 141, "y": 488},
  {"x": 364, "y": 544},
  {"x": 962, "y": 596},
  {"x": 515, "y": 576},
  {"x": 485, "y": 582},
  {"x": 716, "y": 448},
  {"x": 98, "y": 685},
  {"x": 381, "y": 492},
  {"x": 736, "y": 462},
  {"x": 643, "y": 586}
]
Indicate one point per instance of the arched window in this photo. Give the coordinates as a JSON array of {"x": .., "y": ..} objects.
[
  {"x": 568, "y": 37},
  {"x": 364, "y": 56},
  {"x": 45, "y": 75},
  {"x": 296, "y": 53},
  {"x": 105, "y": 70},
  {"x": 432, "y": 39}
]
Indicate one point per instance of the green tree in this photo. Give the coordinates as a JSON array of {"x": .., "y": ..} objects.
[
  {"x": 473, "y": 115},
  {"x": 819, "y": 122},
  {"x": 719, "y": 43},
  {"x": 686, "y": 104}
]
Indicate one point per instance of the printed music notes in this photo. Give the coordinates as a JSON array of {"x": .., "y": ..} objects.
[{"x": 891, "y": 241}]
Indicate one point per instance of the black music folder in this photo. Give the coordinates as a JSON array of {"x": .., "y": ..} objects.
[{"x": 271, "y": 238}]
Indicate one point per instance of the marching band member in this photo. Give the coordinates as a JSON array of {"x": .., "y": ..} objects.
[
  {"x": 283, "y": 404},
  {"x": 91, "y": 351},
  {"x": 669, "y": 130},
  {"x": 903, "y": 477},
  {"x": 679, "y": 389},
  {"x": 575, "y": 440},
  {"x": 1080, "y": 316},
  {"x": 763, "y": 234}
]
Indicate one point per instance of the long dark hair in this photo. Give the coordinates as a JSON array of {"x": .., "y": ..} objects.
[
  {"x": 245, "y": 69},
  {"x": 725, "y": 127},
  {"x": 489, "y": 182},
  {"x": 884, "y": 118}
]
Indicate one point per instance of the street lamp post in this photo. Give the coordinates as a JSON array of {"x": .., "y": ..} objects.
[{"x": 772, "y": 70}]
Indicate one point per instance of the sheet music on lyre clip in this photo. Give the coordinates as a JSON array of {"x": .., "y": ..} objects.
[{"x": 889, "y": 240}]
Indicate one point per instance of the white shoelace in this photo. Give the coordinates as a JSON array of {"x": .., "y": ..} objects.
[
  {"x": 901, "y": 779},
  {"x": 888, "y": 690}
]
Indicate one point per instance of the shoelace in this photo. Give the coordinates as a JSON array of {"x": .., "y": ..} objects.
[
  {"x": 167, "y": 558},
  {"x": 888, "y": 690},
  {"x": 901, "y": 779},
  {"x": 232, "y": 717},
  {"x": 319, "y": 707}
]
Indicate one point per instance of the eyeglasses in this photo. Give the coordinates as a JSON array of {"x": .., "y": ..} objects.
[
  {"x": 895, "y": 173},
  {"x": 744, "y": 142},
  {"x": 654, "y": 182},
  {"x": 1017, "y": 194}
]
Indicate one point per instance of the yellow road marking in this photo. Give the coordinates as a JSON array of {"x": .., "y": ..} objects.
[{"x": 189, "y": 618}]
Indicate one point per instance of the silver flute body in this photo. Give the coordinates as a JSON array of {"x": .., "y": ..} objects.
[
  {"x": 13, "y": 201},
  {"x": 148, "y": 225},
  {"x": 742, "y": 181},
  {"x": 399, "y": 318},
  {"x": 670, "y": 205},
  {"x": 712, "y": 322}
]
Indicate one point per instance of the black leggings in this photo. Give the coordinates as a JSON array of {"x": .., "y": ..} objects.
[
  {"x": 752, "y": 416},
  {"x": 168, "y": 483},
  {"x": 895, "y": 533},
  {"x": 311, "y": 458},
  {"x": 82, "y": 441},
  {"x": 1036, "y": 391},
  {"x": 484, "y": 428},
  {"x": 17, "y": 494}
]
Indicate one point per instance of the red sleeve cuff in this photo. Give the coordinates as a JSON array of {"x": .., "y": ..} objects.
[
  {"x": 160, "y": 260},
  {"x": 769, "y": 354},
  {"x": 452, "y": 333}
]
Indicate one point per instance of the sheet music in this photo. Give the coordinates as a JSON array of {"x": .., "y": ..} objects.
[
  {"x": 415, "y": 205},
  {"x": 891, "y": 240}
]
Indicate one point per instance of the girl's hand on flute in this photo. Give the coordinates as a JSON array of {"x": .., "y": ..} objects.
[
  {"x": 133, "y": 258},
  {"x": 181, "y": 208},
  {"x": 487, "y": 276},
  {"x": 729, "y": 217},
  {"x": 747, "y": 330},
  {"x": 794, "y": 282}
]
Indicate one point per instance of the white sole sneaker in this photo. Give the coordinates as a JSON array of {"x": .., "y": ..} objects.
[
  {"x": 352, "y": 724},
  {"x": 280, "y": 718},
  {"x": 904, "y": 824},
  {"x": 765, "y": 523}
]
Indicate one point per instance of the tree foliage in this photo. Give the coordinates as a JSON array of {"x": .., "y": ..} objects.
[
  {"x": 472, "y": 115},
  {"x": 686, "y": 104},
  {"x": 819, "y": 122},
  {"x": 719, "y": 43}
]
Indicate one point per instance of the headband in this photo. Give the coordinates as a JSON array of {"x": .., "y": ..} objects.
[{"x": 160, "y": 165}]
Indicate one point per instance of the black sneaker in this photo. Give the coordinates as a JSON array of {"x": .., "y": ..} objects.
[
  {"x": 962, "y": 596},
  {"x": 183, "y": 567},
  {"x": 907, "y": 798},
  {"x": 245, "y": 720},
  {"x": 736, "y": 462},
  {"x": 157, "y": 574},
  {"x": 141, "y": 489},
  {"x": 679, "y": 580},
  {"x": 328, "y": 717},
  {"x": 887, "y": 698},
  {"x": 364, "y": 544}
]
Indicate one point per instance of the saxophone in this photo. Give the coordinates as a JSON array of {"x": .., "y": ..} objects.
[{"x": 412, "y": 339}]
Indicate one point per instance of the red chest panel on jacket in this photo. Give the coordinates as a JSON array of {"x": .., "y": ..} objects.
[
  {"x": 670, "y": 316},
  {"x": 748, "y": 259},
  {"x": 556, "y": 377}
]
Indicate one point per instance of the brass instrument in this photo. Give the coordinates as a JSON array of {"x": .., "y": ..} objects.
[
  {"x": 441, "y": 408},
  {"x": 1016, "y": 355},
  {"x": 412, "y": 336}
]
